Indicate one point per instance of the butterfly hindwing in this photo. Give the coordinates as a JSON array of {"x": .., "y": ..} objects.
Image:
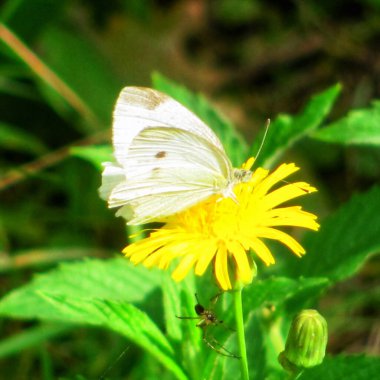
[{"x": 168, "y": 170}]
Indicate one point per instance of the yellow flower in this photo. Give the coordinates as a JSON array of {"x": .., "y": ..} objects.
[{"x": 223, "y": 231}]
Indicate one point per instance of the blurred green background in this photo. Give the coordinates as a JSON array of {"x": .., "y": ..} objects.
[{"x": 62, "y": 64}]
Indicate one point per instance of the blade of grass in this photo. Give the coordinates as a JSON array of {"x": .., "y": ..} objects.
[
  {"x": 31, "y": 337},
  {"x": 44, "y": 73},
  {"x": 22, "y": 172}
]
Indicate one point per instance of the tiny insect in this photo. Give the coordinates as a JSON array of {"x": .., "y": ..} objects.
[{"x": 208, "y": 318}]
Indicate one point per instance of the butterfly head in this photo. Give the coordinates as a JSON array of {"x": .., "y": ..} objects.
[
  {"x": 242, "y": 175},
  {"x": 238, "y": 176}
]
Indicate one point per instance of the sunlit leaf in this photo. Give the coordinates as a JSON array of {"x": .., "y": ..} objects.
[
  {"x": 96, "y": 155},
  {"x": 359, "y": 127},
  {"x": 346, "y": 239},
  {"x": 286, "y": 130}
]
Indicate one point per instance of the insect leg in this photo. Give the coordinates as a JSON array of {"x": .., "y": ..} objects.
[
  {"x": 179, "y": 317},
  {"x": 215, "y": 344}
]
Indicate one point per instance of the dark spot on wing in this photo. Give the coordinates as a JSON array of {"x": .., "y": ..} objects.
[
  {"x": 155, "y": 172},
  {"x": 161, "y": 154}
]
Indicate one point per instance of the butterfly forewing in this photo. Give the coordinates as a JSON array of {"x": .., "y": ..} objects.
[
  {"x": 167, "y": 158},
  {"x": 138, "y": 108}
]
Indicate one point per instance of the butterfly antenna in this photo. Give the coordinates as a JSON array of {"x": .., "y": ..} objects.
[{"x": 267, "y": 124}]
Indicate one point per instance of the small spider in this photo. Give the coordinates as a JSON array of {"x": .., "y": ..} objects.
[{"x": 206, "y": 319}]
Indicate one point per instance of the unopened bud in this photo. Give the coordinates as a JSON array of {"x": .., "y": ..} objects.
[{"x": 306, "y": 343}]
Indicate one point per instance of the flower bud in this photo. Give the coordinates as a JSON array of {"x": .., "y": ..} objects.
[{"x": 306, "y": 343}]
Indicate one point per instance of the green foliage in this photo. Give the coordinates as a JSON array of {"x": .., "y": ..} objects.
[
  {"x": 90, "y": 280},
  {"x": 30, "y": 338},
  {"x": 17, "y": 14},
  {"x": 286, "y": 130},
  {"x": 123, "y": 318},
  {"x": 55, "y": 214},
  {"x": 283, "y": 292},
  {"x": 359, "y": 127},
  {"x": 96, "y": 155},
  {"x": 346, "y": 367},
  {"x": 345, "y": 241},
  {"x": 95, "y": 293},
  {"x": 15, "y": 139},
  {"x": 85, "y": 73}
]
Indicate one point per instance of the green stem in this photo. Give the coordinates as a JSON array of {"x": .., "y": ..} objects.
[{"x": 240, "y": 333}]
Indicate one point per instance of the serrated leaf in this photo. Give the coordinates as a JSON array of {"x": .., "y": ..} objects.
[
  {"x": 235, "y": 146},
  {"x": 347, "y": 367},
  {"x": 285, "y": 130},
  {"x": 95, "y": 155},
  {"x": 359, "y": 127},
  {"x": 279, "y": 291},
  {"x": 98, "y": 293},
  {"x": 123, "y": 318},
  {"x": 346, "y": 239},
  {"x": 115, "y": 280}
]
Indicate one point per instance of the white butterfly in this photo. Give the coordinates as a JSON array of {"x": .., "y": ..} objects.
[{"x": 167, "y": 159}]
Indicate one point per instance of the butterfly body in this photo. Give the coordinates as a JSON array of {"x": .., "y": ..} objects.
[{"x": 167, "y": 159}]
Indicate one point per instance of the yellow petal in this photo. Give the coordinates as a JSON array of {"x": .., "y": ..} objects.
[
  {"x": 262, "y": 251},
  {"x": 221, "y": 268},
  {"x": 284, "y": 238},
  {"x": 183, "y": 268}
]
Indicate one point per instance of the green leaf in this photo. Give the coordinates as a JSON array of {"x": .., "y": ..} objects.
[
  {"x": 115, "y": 280},
  {"x": 123, "y": 318},
  {"x": 172, "y": 302},
  {"x": 256, "y": 332},
  {"x": 347, "y": 367},
  {"x": 95, "y": 155},
  {"x": 284, "y": 295},
  {"x": 28, "y": 18},
  {"x": 346, "y": 239},
  {"x": 30, "y": 337},
  {"x": 179, "y": 301},
  {"x": 286, "y": 130},
  {"x": 79, "y": 64},
  {"x": 359, "y": 127},
  {"x": 97, "y": 293},
  {"x": 235, "y": 146},
  {"x": 13, "y": 138},
  {"x": 281, "y": 292}
]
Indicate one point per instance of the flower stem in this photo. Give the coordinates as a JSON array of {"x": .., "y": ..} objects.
[{"x": 240, "y": 332}]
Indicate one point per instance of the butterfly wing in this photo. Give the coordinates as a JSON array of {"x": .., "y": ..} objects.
[
  {"x": 167, "y": 170},
  {"x": 138, "y": 108}
]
